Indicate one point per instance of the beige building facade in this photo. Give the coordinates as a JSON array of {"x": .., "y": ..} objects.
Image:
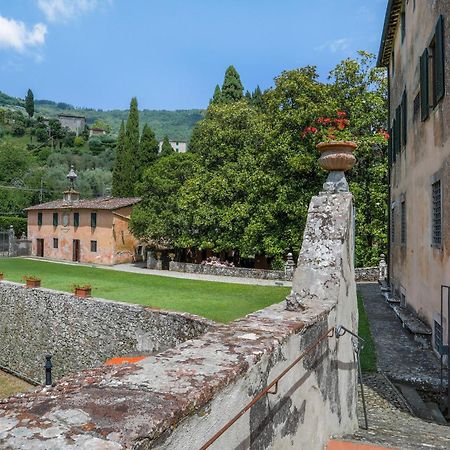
[
  {"x": 416, "y": 50},
  {"x": 83, "y": 230},
  {"x": 178, "y": 146}
]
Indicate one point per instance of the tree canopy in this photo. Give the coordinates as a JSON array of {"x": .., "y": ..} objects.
[{"x": 251, "y": 171}]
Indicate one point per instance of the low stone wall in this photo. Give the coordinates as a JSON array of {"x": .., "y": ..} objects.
[
  {"x": 180, "y": 398},
  {"x": 241, "y": 272},
  {"x": 367, "y": 274},
  {"x": 81, "y": 333}
]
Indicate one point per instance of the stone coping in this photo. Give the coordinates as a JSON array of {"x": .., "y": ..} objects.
[{"x": 113, "y": 407}]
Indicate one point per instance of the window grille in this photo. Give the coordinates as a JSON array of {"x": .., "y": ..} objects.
[
  {"x": 55, "y": 242},
  {"x": 436, "y": 213},
  {"x": 93, "y": 246},
  {"x": 438, "y": 337}
]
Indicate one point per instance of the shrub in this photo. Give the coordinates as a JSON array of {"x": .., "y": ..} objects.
[
  {"x": 18, "y": 130},
  {"x": 19, "y": 224},
  {"x": 78, "y": 141}
]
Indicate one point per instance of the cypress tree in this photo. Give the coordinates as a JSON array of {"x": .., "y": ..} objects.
[
  {"x": 257, "y": 96},
  {"x": 149, "y": 148},
  {"x": 29, "y": 103},
  {"x": 248, "y": 96},
  {"x": 166, "y": 148},
  {"x": 131, "y": 161},
  {"x": 232, "y": 87},
  {"x": 118, "y": 174},
  {"x": 217, "y": 96}
]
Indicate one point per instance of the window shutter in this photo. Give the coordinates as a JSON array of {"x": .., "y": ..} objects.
[
  {"x": 404, "y": 118},
  {"x": 394, "y": 140},
  {"x": 424, "y": 102},
  {"x": 439, "y": 60},
  {"x": 390, "y": 153},
  {"x": 398, "y": 122},
  {"x": 93, "y": 220}
]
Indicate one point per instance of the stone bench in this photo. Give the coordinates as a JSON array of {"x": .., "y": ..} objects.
[{"x": 421, "y": 331}]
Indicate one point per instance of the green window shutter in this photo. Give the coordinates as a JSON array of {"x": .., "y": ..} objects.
[
  {"x": 404, "y": 114},
  {"x": 39, "y": 219},
  {"x": 76, "y": 219},
  {"x": 398, "y": 122},
  {"x": 439, "y": 58},
  {"x": 55, "y": 219},
  {"x": 93, "y": 220},
  {"x": 424, "y": 92},
  {"x": 390, "y": 152},
  {"x": 394, "y": 140}
]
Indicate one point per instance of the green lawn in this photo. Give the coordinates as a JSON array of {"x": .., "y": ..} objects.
[
  {"x": 368, "y": 354},
  {"x": 222, "y": 302}
]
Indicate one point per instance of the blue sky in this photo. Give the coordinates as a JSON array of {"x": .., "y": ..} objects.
[{"x": 172, "y": 53}]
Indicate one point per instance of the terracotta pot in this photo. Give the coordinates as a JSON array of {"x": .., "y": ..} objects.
[
  {"x": 83, "y": 292},
  {"x": 1, "y": 276},
  {"x": 337, "y": 156},
  {"x": 33, "y": 283}
]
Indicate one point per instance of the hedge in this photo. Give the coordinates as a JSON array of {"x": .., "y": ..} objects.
[{"x": 19, "y": 224}]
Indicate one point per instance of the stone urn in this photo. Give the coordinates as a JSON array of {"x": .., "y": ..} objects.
[{"x": 336, "y": 157}]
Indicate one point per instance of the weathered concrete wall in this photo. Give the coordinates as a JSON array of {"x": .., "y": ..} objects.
[
  {"x": 230, "y": 271},
  {"x": 180, "y": 398},
  {"x": 81, "y": 333}
]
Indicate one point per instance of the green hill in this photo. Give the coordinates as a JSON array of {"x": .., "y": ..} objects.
[{"x": 177, "y": 124}]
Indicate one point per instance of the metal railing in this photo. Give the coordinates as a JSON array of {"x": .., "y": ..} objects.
[{"x": 337, "y": 331}]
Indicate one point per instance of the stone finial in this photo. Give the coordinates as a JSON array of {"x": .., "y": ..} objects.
[
  {"x": 336, "y": 158},
  {"x": 289, "y": 265}
]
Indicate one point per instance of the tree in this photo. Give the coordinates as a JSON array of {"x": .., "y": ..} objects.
[
  {"x": 217, "y": 97},
  {"x": 131, "y": 161},
  {"x": 257, "y": 97},
  {"x": 148, "y": 150},
  {"x": 29, "y": 103},
  {"x": 166, "y": 148},
  {"x": 232, "y": 87},
  {"x": 101, "y": 125},
  {"x": 119, "y": 186}
]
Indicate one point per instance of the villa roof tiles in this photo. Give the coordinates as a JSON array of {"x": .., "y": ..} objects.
[{"x": 108, "y": 203}]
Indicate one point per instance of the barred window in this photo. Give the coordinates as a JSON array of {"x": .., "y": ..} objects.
[
  {"x": 438, "y": 337},
  {"x": 436, "y": 218},
  {"x": 93, "y": 246},
  {"x": 403, "y": 222},
  {"x": 55, "y": 242}
]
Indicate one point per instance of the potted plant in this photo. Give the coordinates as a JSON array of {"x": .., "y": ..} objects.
[
  {"x": 82, "y": 290},
  {"x": 32, "y": 281},
  {"x": 1, "y": 276}
]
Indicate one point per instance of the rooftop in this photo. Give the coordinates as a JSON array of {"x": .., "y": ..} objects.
[
  {"x": 390, "y": 26},
  {"x": 108, "y": 203}
]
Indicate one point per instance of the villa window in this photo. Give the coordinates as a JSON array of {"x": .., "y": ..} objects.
[
  {"x": 76, "y": 219},
  {"x": 432, "y": 74},
  {"x": 404, "y": 116},
  {"x": 436, "y": 234},
  {"x": 94, "y": 246},
  {"x": 93, "y": 220},
  {"x": 39, "y": 219},
  {"x": 55, "y": 219},
  {"x": 403, "y": 222},
  {"x": 55, "y": 242}
]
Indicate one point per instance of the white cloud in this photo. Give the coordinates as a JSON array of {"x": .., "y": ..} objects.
[
  {"x": 338, "y": 45},
  {"x": 64, "y": 10},
  {"x": 16, "y": 35}
]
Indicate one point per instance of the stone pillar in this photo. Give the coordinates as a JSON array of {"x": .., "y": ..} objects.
[
  {"x": 151, "y": 260},
  {"x": 12, "y": 248},
  {"x": 382, "y": 268}
]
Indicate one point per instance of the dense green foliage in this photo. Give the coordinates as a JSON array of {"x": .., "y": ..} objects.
[
  {"x": 166, "y": 148},
  {"x": 18, "y": 223},
  {"x": 222, "y": 302},
  {"x": 119, "y": 183},
  {"x": 253, "y": 167},
  {"x": 177, "y": 124},
  {"x": 29, "y": 103},
  {"x": 232, "y": 87},
  {"x": 149, "y": 149}
]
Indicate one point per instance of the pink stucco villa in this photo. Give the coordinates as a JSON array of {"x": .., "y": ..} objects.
[{"x": 83, "y": 230}]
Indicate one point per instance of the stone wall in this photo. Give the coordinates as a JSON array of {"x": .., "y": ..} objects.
[
  {"x": 81, "y": 333},
  {"x": 180, "y": 398},
  {"x": 367, "y": 274},
  {"x": 241, "y": 272}
]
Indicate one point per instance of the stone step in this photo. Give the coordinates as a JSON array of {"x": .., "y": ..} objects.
[
  {"x": 415, "y": 401},
  {"x": 411, "y": 321},
  {"x": 436, "y": 412},
  {"x": 390, "y": 298},
  {"x": 354, "y": 445}
]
